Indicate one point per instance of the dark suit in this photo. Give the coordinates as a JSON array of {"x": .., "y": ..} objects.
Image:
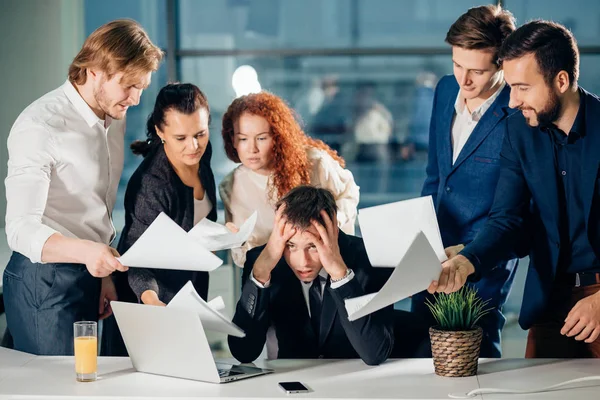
[
  {"x": 153, "y": 188},
  {"x": 282, "y": 305},
  {"x": 528, "y": 184},
  {"x": 463, "y": 193}
]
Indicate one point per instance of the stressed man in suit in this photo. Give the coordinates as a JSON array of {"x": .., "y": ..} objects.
[
  {"x": 468, "y": 123},
  {"x": 551, "y": 174},
  {"x": 298, "y": 282}
]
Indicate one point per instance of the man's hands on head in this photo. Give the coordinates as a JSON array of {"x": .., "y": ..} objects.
[
  {"x": 328, "y": 247},
  {"x": 455, "y": 272},
  {"x": 273, "y": 251}
]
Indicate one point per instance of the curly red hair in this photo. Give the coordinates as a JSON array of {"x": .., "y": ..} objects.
[{"x": 291, "y": 164}]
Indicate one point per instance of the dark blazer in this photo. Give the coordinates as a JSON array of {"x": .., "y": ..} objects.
[
  {"x": 463, "y": 192},
  {"x": 528, "y": 186},
  {"x": 155, "y": 187},
  {"x": 282, "y": 305}
]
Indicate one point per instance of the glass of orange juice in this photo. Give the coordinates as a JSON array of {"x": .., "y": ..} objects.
[{"x": 86, "y": 350}]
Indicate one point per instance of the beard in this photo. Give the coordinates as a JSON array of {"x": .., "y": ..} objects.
[
  {"x": 550, "y": 112},
  {"x": 104, "y": 103}
]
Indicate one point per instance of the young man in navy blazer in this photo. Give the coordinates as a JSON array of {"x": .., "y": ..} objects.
[
  {"x": 551, "y": 173},
  {"x": 467, "y": 128},
  {"x": 298, "y": 282}
]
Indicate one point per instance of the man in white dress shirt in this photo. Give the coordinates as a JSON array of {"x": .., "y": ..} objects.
[{"x": 65, "y": 162}]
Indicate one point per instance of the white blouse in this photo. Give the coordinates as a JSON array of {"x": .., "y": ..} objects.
[
  {"x": 243, "y": 191},
  {"x": 201, "y": 208}
]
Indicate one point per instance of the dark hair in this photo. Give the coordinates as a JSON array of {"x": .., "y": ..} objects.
[
  {"x": 183, "y": 97},
  {"x": 304, "y": 204},
  {"x": 480, "y": 28},
  {"x": 553, "y": 45}
]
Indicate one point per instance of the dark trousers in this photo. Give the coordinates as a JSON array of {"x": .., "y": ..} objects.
[
  {"x": 544, "y": 339},
  {"x": 112, "y": 341},
  {"x": 44, "y": 300}
]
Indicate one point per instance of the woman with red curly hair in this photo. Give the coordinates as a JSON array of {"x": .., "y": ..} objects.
[{"x": 261, "y": 132}]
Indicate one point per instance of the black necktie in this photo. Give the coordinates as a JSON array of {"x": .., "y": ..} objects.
[{"x": 314, "y": 298}]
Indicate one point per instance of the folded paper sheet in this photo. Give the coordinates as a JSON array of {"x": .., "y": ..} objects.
[
  {"x": 188, "y": 299},
  {"x": 414, "y": 273},
  {"x": 215, "y": 236},
  {"x": 404, "y": 235},
  {"x": 388, "y": 230},
  {"x": 166, "y": 245}
]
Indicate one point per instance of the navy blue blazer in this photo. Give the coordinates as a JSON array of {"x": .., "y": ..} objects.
[
  {"x": 527, "y": 194},
  {"x": 463, "y": 192}
]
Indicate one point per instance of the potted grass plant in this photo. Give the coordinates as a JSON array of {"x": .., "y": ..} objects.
[{"x": 456, "y": 339}]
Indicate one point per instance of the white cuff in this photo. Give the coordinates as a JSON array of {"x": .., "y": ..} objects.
[
  {"x": 39, "y": 239},
  {"x": 257, "y": 283}
]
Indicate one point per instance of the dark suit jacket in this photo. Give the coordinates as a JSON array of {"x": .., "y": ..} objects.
[
  {"x": 282, "y": 305},
  {"x": 528, "y": 185},
  {"x": 154, "y": 188},
  {"x": 463, "y": 192}
]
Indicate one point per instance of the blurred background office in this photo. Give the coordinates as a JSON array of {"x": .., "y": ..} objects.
[{"x": 360, "y": 74}]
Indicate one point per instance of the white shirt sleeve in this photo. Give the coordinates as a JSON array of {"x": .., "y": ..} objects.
[
  {"x": 31, "y": 158},
  {"x": 328, "y": 174}
]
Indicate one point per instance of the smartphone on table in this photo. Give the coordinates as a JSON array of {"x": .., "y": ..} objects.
[{"x": 293, "y": 387}]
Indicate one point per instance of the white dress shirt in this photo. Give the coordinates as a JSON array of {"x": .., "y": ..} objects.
[
  {"x": 64, "y": 166},
  {"x": 465, "y": 122}
]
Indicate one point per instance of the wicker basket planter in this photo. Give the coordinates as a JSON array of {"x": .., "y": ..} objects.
[{"x": 455, "y": 353}]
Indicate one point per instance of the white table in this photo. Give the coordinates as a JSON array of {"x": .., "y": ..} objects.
[{"x": 26, "y": 376}]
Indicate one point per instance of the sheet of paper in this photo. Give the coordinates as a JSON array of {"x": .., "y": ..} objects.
[
  {"x": 166, "y": 245},
  {"x": 389, "y": 229},
  {"x": 188, "y": 299},
  {"x": 215, "y": 236},
  {"x": 417, "y": 269},
  {"x": 217, "y": 304}
]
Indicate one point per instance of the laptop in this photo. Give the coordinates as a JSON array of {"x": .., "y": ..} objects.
[{"x": 172, "y": 342}]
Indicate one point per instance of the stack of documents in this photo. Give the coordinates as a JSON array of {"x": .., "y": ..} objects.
[
  {"x": 166, "y": 245},
  {"x": 405, "y": 236}
]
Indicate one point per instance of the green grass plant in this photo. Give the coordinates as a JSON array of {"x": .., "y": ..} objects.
[{"x": 458, "y": 311}]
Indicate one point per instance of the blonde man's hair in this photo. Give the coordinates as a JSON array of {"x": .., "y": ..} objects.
[{"x": 118, "y": 46}]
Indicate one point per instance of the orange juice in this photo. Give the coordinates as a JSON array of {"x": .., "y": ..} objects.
[{"x": 86, "y": 354}]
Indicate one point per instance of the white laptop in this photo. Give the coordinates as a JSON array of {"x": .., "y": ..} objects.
[{"x": 172, "y": 342}]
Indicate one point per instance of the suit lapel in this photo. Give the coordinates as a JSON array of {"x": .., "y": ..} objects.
[
  {"x": 484, "y": 127},
  {"x": 447, "y": 116},
  {"x": 328, "y": 314},
  {"x": 590, "y": 159}
]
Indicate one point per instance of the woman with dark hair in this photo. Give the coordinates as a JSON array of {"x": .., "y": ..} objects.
[
  {"x": 175, "y": 178},
  {"x": 261, "y": 132}
]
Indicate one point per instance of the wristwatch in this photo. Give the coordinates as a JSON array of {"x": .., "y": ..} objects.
[{"x": 348, "y": 272}]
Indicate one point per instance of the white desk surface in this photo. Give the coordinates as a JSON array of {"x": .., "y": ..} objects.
[{"x": 24, "y": 376}]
